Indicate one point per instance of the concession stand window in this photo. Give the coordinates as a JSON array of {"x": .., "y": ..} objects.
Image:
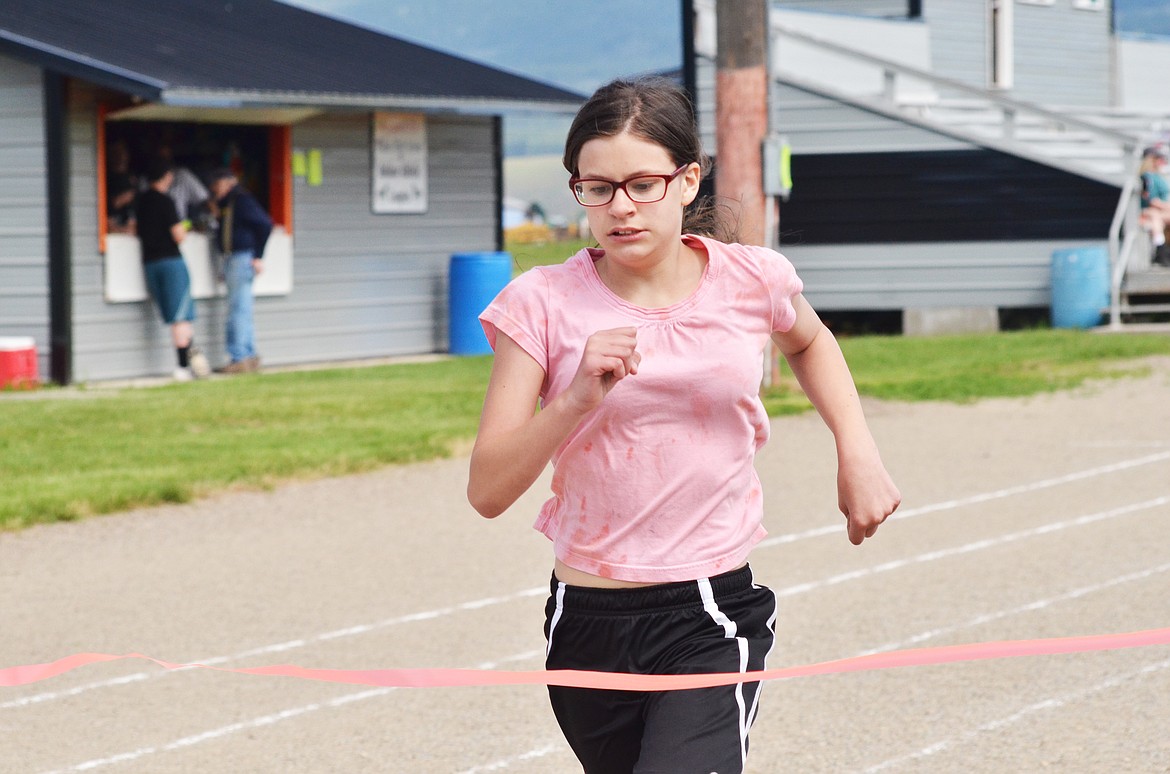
[{"x": 257, "y": 144}]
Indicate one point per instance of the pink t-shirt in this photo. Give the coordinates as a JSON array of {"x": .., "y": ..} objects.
[{"x": 657, "y": 484}]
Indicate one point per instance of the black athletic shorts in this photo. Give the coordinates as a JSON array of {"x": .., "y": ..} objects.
[{"x": 720, "y": 624}]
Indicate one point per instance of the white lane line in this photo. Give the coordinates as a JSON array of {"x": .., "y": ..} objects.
[
  {"x": 268, "y": 720},
  {"x": 53, "y": 695},
  {"x": 982, "y": 497},
  {"x": 791, "y": 591},
  {"x": 507, "y": 763},
  {"x": 279, "y": 647},
  {"x": 428, "y": 615},
  {"x": 1056, "y": 702},
  {"x": 978, "y": 545},
  {"x": 1121, "y": 444},
  {"x": 1031, "y": 607}
]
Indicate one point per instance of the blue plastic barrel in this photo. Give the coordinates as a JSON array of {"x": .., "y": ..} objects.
[
  {"x": 475, "y": 279},
  {"x": 1080, "y": 287}
]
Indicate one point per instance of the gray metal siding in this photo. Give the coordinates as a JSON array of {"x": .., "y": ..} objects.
[
  {"x": 814, "y": 124},
  {"x": 925, "y": 275},
  {"x": 959, "y": 39},
  {"x": 705, "y": 76},
  {"x": 369, "y": 285},
  {"x": 24, "y": 272},
  {"x": 1063, "y": 55}
]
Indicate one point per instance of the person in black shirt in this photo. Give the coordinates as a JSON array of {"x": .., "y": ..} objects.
[{"x": 160, "y": 231}]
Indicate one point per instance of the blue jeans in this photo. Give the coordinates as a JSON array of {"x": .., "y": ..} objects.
[{"x": 238, "y": 273}]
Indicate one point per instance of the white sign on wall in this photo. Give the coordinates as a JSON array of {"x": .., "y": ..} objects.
[{"x": 399, "y": 179}]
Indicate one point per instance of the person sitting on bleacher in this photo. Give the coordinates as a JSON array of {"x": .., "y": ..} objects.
[{"x": 1156, "y": 200}]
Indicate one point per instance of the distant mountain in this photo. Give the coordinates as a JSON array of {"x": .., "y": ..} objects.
[{"x": 575, "y": 45}]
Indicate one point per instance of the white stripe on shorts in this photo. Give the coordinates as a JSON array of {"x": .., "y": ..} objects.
[
  {"x": 552, "y": 625},
  {"x": 729, "y": 631}
]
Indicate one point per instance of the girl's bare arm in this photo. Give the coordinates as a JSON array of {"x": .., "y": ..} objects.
[{"x": 866, "y": 493}]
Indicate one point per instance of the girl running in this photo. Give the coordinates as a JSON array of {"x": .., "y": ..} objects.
[{"x": 645, "y": 356}]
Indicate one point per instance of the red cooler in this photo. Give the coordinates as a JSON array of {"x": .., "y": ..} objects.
[{"x": 18, "y": 362}]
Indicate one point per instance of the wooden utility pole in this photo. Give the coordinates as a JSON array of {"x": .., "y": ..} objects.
[
  {"x": 741, "y": 111},
  {"x": 741, "y": 124}
]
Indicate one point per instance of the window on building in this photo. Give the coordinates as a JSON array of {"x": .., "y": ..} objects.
[{"x": 259, "y": 154}]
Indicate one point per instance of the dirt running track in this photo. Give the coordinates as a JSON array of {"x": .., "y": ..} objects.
[{"x": 1033, "y": 518}]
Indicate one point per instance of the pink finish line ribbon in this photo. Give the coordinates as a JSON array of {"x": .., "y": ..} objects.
[{"x": 447, "y": 678}]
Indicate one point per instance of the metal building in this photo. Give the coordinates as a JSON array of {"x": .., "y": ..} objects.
[
  {"x": 943, "y": 150},
  {"x": 377, "y": 158}
]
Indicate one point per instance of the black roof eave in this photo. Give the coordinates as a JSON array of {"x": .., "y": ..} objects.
[
  {"x": 76, "y": 65},
  {"x": 189, "y": 97},
  {"x": 149, "y": 89}
]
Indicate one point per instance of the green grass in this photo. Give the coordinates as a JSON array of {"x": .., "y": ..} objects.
[
  {"x": 966, "y": 368},
  {"x": 525, "y": 256},
  {"x": 71, "y": 457},
  {"x": 98, "y": 451}
]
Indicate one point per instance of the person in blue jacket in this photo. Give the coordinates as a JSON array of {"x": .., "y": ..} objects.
[
  {"x": 1155, "y": 215},
  {"x": 242, "y": 232}
]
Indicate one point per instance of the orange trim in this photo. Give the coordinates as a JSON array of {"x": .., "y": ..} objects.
[
  {"x": 280, "y": 175},
  {"x": 103, "y": 216}
]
